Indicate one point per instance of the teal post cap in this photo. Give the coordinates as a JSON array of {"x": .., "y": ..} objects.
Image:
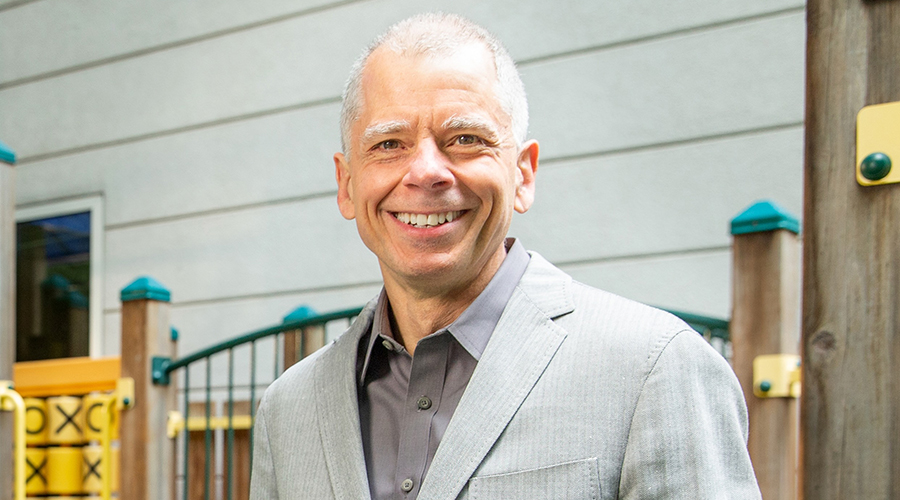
[
  {"x": 6, "y": 154},
  {"x": 145, "y": 287},
  {"x": 764, "y": 216},
  {"x": 174, "y": 334},
  {"x": 302, "y": 312},
  {"x": 77, "y": 300}
]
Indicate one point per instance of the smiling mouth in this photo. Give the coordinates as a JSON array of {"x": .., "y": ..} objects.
[{"x": 427, "y": 220}]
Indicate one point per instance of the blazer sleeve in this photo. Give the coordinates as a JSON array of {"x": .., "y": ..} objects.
[
  {"x": 688, "y": 435},
  {"x": 262, "y": 477}
]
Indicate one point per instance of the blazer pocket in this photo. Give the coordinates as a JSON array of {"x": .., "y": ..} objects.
[{"x": 568, "y": 481}]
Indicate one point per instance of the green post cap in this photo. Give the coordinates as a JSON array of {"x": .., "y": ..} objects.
[
  {"x": 764, "y": 216},
  {"x": 6, "y": 154},
  {"x": 145, "y": 287},
  {"x": 174, "y": 334},
  {"x": 302, "y": 312}
]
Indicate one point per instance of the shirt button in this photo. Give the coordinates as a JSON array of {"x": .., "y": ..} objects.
[
  {"x": 406, "y": 485},
  {"x": 424, "y": 403},
  {"x": 387, "y": 345}
]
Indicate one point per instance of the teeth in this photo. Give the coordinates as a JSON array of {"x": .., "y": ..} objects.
[{"x": 429, "y": 220}]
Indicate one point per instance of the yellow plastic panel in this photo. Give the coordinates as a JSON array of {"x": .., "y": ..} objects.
[
  {"x": 69, "y": 376},
  {"x": 878, "y": 131},
  {"x": 776, "y": 376}
]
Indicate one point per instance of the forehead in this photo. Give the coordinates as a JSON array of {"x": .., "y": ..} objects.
[{"x": 415, "y": 87}]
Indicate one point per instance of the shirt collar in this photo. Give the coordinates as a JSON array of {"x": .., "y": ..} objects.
[{"x": 473, "y": 328}]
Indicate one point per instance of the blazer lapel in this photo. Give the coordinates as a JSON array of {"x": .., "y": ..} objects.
[
  {"x": 522, "y": 345},
  {"x": 338, "y": 413}
]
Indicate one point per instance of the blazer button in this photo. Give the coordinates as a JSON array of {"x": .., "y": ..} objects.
[
  {"x": 424, "y": 403},
  {"x": 406, "y": 485}
]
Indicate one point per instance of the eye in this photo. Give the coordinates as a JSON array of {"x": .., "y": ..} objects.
[
  {"x": 388, "y": 145},
  {"x": 468, "y": 140}
]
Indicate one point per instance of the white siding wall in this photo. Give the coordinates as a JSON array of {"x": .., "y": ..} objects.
[{"x": 208, "y": 126}]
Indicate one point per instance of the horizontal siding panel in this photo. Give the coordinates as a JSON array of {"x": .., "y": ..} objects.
[
  {"x": 297, "y": 246},
  {"x": 252, "y": 161},
  {"x": 698, "y": 283},
  {"x": 48, "y": 36},
  {"x": 752, "y": 70},
  {"x": 662, "y": 200},
  {"x": 736, "y": 78}
]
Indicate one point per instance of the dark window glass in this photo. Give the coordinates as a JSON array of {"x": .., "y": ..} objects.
[{"x": 52, "y": 287}]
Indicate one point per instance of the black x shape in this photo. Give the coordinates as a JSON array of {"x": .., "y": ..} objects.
[
  {"x": 68, "y": 419},
  {"x": 92, "y": 469},
  {"x": 36, "y": 471}
]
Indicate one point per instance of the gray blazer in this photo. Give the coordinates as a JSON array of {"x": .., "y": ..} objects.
[{"x": 580, "y": 394}]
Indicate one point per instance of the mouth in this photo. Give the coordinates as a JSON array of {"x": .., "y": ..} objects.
[{"x": 427, "y": 220}]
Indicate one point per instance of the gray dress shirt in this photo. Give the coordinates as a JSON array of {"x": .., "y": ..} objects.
[{"x": 406, "y": 402}]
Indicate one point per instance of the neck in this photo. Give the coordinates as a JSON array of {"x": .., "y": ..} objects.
[{"x": 419, "y": 311}]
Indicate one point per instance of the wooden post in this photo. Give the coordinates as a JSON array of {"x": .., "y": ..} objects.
[
  {"x": 148, "y": 455},
  {"x": 301, "y": 343},
  {"x": 7, "y": 307},
  {"x": 850, "y": 407},
  {"x": 766, "y": 320}
]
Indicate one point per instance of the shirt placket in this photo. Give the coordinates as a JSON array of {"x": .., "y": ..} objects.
[{"x": 423, "y": 398}]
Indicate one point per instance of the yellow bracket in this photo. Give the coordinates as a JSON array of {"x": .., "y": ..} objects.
[
  {"x": 776, "y": 376},
  {"x": 878, "y": 144},
  {"x": 10, "y": 400},
  {"x": 124, "y": 393},
  {"x": 175, "y": 423}
]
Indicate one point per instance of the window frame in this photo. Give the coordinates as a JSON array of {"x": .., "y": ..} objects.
[{"x": 94, "y": 205}]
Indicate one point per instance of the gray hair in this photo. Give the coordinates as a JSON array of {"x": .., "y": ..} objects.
[{"x": 436, "y": 34}]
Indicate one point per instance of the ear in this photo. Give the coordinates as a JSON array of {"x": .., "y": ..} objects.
[
  {"x": 345, "y": 188},
  {"x": 526, "y": 167}
]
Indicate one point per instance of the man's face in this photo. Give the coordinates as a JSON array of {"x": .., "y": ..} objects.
[{"x": 433, "y": 173}]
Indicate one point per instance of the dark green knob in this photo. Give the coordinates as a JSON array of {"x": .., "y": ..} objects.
[
  {"x": 765, "y": 386},
  {"x": 875, "y": 167}
]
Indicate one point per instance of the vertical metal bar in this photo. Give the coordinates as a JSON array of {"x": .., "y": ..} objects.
[
  {"x": 208, "y": 434},
  {"x": 252, "y": 397},
  {"x": 230, "y": 431},
  {"x": 277, "y": 352},
  {"x": 186, "y": 434}
]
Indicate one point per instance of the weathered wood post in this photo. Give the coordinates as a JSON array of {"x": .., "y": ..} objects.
[
  {"x": 148, "y": 455},
  {"x": 766, "y": 321},
  {"x": 850, "y": 407},
  {"x": 301, "y": 343},
  {"x": 7, "y": 306}
]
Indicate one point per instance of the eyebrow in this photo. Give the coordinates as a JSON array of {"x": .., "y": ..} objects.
[
  {"x": 384, "y": 128},
  {"x": 477, "y": 123}
]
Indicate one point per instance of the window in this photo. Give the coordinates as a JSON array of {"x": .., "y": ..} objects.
[{"x": 58, "y": 280}]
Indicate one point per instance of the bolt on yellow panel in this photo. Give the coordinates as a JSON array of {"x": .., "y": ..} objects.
[
  {"x": 878, "y": 131},
  {"x": 776, "y": 376}
]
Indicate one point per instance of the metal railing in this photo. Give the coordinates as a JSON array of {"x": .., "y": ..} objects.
[{"x": 183, "y": 424}]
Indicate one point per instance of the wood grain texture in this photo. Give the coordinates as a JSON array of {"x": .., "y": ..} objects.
[
  {"x": 147, "y": 460},
  {"x": 766, "y": 320},
  {"x": 850, "y": 436}
]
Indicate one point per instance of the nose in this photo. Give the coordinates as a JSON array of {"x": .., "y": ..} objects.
[{"x": 429, "y": 167}]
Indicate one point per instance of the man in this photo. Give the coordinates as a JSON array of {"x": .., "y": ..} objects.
[{"x": 482, "y": 371}]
